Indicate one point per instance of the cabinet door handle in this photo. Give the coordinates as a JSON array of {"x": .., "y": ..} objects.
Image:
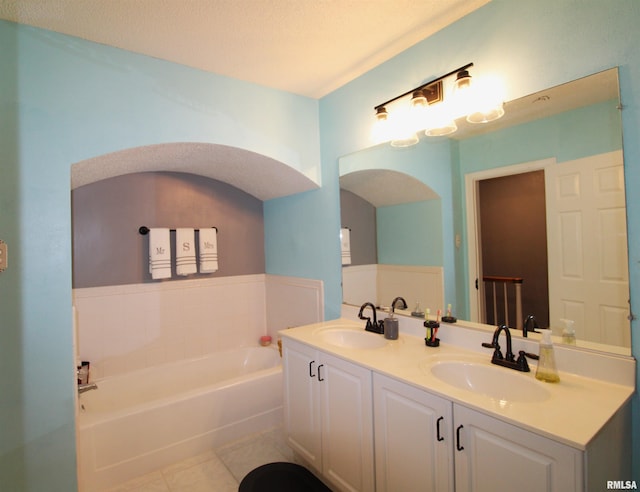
[
  {"x": 458, "y": 447},
  {"x": 320, "y": 378},
  {"x": 440, "y": 438},
  {"x": 311, "y": 374}
]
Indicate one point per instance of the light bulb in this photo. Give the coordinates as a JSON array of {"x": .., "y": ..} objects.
[
  {"x": 440, "y": 121},
  {"x": 403, "y": 127},
  {"x": 419, "y": 113},
  {"x": 380, "y": 132},
  {"x": 487, "y": 104}
]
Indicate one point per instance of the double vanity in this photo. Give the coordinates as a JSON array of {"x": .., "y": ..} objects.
[{"x": 371, "y": 414}]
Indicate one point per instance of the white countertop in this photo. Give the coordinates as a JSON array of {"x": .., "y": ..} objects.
[{"x": 575, "y": 410}]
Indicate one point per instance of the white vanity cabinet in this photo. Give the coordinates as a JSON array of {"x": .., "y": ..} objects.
[
  {"x": 376, "y": 419},
  {"x": 422, "y": 441},
  {"x": 328, "y": 415}
]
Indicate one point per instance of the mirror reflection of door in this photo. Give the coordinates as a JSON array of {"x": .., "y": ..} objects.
[
  {"x": 584, "y": 243},
  {"x": 513, "y": 241},
  {"x": 588, "y": 270}
]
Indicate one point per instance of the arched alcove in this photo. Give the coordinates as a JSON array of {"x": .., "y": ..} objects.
[
  {"x": 260, "y": 176},
  {"x": 384, "y": 187}
]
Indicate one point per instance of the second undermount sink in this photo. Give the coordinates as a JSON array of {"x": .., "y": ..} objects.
[
  {"x": 350, "y": 338},
  {"x": 495, "y": 382}
]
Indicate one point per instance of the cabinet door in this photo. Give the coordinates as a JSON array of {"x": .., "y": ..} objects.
[
  {"x": 493, "y": 455},
  {"x": 301, "y": 405},
  {"x": 347, "y": 424},
  {"x": 413, "y": 438}
]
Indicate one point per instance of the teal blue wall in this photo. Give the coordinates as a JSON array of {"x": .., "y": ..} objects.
[
  {"x": 571, "y": 135},
  {"x": 531, "y": 45},
  {"x": 410, "y": 233},
  {"x": 63, "y": 100}
]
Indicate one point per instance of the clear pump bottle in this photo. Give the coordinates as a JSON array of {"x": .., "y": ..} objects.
[
  {"x": 569, "y": 332},
  {"x": 547, "y": 370}
]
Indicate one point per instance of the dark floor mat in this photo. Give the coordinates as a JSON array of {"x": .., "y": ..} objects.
[{"x": 281, "y": 477}]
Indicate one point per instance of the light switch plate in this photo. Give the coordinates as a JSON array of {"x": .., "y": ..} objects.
[{"x": 3, "y": 256}]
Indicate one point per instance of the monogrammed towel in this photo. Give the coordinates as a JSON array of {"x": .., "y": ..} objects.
[
  {"x": 345, "y": 245},
  {"x": 208, "y": 243},
  {"x": 185, "y": 252},
  {"x": 159, "y": 253}
]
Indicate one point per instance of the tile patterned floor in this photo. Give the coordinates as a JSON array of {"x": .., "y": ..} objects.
[{"x": 215, "y": 471}]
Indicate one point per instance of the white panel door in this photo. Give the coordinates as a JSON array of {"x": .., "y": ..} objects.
[{"x": 587, "y": 246}]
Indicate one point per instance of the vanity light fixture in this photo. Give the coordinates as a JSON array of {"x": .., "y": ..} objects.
[{"x": 428, "y": 110}]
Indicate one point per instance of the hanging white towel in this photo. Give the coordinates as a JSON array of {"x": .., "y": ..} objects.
[
  {"x": 159, "y": 253},
  {"x": 208, "y": 243},
  {"x": 345, "y": 245},
  {"x": 185, "y": 252}
]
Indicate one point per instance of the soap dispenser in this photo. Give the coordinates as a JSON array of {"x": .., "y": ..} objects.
[
  {"x": 391, "y": 327},
  {"x": 569, "y": 332},
  {"x": 547, "y": 370}
]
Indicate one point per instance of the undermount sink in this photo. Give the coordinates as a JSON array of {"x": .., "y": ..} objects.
[
  {"x": 495, "y": 382},
  {"x": 350, "y": 338}
]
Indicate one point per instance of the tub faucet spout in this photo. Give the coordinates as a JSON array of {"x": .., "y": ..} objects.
[{"x": 83, "y": 388}]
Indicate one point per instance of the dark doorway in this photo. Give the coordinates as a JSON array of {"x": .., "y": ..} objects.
[{"x": 513, "y": 237}]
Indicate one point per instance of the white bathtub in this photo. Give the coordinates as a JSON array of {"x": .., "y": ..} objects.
[{"x": 144, "y": 420}]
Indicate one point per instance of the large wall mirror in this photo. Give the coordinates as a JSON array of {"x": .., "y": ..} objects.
[{"x": 430, "y": 222}]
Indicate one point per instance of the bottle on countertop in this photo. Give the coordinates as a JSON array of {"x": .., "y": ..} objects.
[
  {"x": 547, "y": 370},
  {"x": 569, "y": 332}
]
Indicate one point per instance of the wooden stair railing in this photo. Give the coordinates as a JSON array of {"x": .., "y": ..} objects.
[{"x": 505, "y": 281}]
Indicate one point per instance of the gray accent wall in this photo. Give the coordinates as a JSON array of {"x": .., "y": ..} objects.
[
  {"x": 360, "y": 216},
  {"x": 106, "y": 215}
]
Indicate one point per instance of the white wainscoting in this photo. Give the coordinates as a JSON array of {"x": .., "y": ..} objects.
[
  {"x": 382, "y": 283},
  {"x": 293, "y": 301},
  {"x": 359, "y": 284},
  {"x": 128, "y": 327}
]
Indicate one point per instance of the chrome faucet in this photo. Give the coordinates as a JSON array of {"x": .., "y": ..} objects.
[
  {"x": 393, "y": 304},
  {"x": 508, "y": 360},
  {"x": 531, "y": 319},
  {"x": 375, "y": 326},
  {"x": 83, "y": 388}
]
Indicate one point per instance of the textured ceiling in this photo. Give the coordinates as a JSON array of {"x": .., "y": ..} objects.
[{"x": 307, "y": 47}]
